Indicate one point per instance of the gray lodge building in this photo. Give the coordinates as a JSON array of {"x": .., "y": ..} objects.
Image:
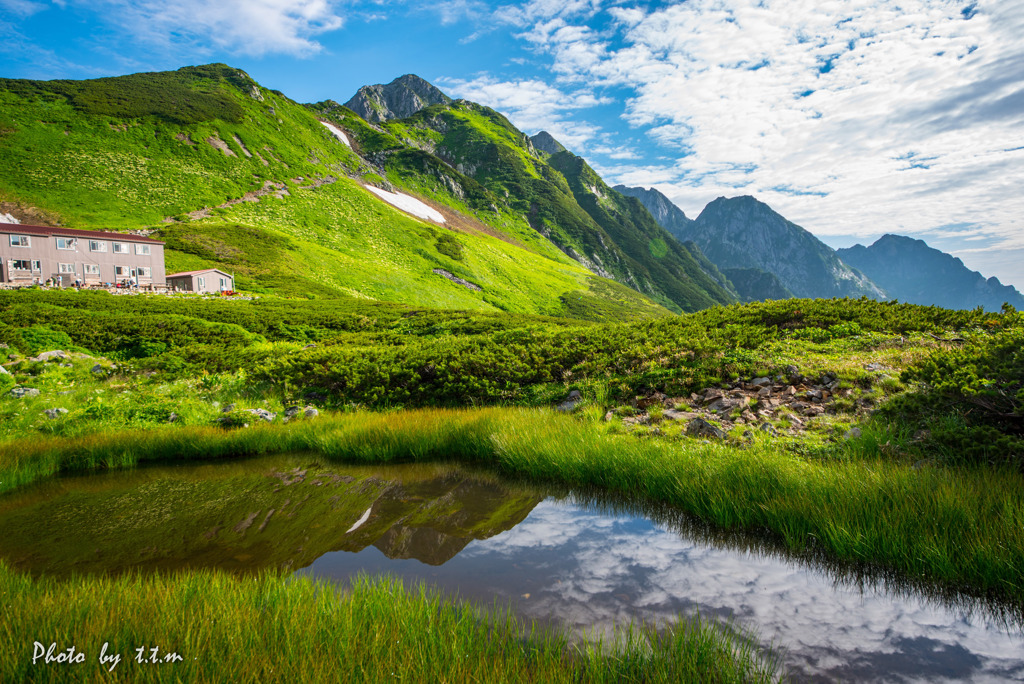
[{"x": 35, "y": 254}]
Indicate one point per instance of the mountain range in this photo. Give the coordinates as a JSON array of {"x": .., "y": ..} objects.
[{"x": 401, "y": 195}]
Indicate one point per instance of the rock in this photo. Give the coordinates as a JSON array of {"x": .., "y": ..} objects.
[
  {"x": 262, "y": 414},
  {"x": 228, "y": 409},
  {"x": 173, "y": 418},
  {"x": 55, "y": 413},
  {"x": 922, "y": 435},
  {"x": 310, "y": 412},
  {"x": 698, "y": 427},
  {"x": 55, "y": 354},
  {"x": 608, "y": 416},
  {"x": 571, "y": 402},
  {"x": 98, "y": 369},
  {"x": 764, "y": 392},
  {"x": 874, "y": 367},
  {"x": 310, "y": 346},
  {"x": 814, "y": 394},
  {"x": 4, "y": 371},
  {"x": 748, "y": 416},
  {"x": 790, "y": 391},
  {"x": 853, "y": 433},
  {"x": 292, "y": 411},
  {"x": 19, "y": 392},
  {"x": 672, "y": 414},
  {"x": 769, "y": 428},
  {"x": 760, "y": 382}
]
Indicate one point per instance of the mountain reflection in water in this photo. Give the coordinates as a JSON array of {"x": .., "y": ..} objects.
[{"x": 584, "y": 561}]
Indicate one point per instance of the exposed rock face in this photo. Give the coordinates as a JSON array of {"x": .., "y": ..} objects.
[
  {"x": 403, "y": 97},
  {"x": 755, "y": 285},
  {"x": 742, "y": 232},
  {"x": 662, "y": 209},
  {"x": 911, "y": 271},
  {"x": 544, "y": 142}
]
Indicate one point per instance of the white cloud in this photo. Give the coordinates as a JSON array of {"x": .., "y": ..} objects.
[
  {"x": 533, "y": 106},
  {"x": 250, "y": 27},
  {"x": 850, "y": 117},
  {"x": 22, "y": 8}
]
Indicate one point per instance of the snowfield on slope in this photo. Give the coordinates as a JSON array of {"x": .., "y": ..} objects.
[
  {"x": 338, "y": 133},
  {"x": 408, "y": 204}
]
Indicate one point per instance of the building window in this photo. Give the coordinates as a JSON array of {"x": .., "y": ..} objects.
[
  {"x": 66, "y": 268},
  {"x": 97, "y": 246},
  {"x": 202, "y": 282},
  {"x": 142, "y": 249},
  {"x": 92, "y": 269},
  {"x": 20, "y": 241},
  {"x": 23, "y": 265},
  {"x": 120, "y": 248},
  {"x": 223, "y": 283},
  {"x": 145, "y": 271},
  {"x": 66, "y": 243},
  {"x": 121, "y": 271}
]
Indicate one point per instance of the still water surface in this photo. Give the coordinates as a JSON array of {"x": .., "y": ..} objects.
[{"x": 568, "y": 558}]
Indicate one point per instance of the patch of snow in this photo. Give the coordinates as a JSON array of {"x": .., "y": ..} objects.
[
  {"x": 364, "y": 518},
  {"x": 8, "y": 218},
  {"x": 338, "y": 133},
  {"x": 408, "y": 204}
]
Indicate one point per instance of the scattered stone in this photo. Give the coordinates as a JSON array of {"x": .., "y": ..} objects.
[
  {"x": 310, "y": 412},
  {"x": 313, "y": 395},
  {"x": 769, "y": 428},
  {"x": 853, "y": 433},
  {"x": 310, "y": 346},
  {"x": 55, "y": 354},
  {"x": 760, "y": 382},
  {"x": 4, "y": 371},
  {"x": 292, "y": 411},
  {"x": 228, "y": 409},
  {"x": 764, "y": 392},
  {"x": 790, "y": 391},
  {"x": 698, "y": 427},
  {"x": 748, "y": 416},
  {"x": 98, "y": 369},
  {"x": 611, "y": 414},
  {"x": 571, "y": 402},
  {"x": 875, "y": 367},
  {"x": 672, "y": 414},
  {"x": 173, "y": 418},
  {"x": 262, "y": 414},
  {"x": 19, "y": 392},
  {"x": 55, "y": 413}
]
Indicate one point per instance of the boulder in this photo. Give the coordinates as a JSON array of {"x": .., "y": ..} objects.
[
  {"x": 292, "y": 411},
  {"x": 698, "y": 427},
  {"x": 769, "y": 428},
  {"x": 571, "y": 402},
  {"x": 852, "y": 433},
  {"x": 55, "y": 413},
  {"x": 4, "y": 371},
  {"x": 228, "y": 409},
  {"x": 262, "y": 414},
  {"x": 310, "y": 412},
  {"x": 19, "y": 392},
  {"x": 48, "y": 355},
  {"x": 98, "y": 369},
  {"x": 760, "y": 382}
]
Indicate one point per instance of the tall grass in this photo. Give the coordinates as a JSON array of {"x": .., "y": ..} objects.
[
  {"x": 962, "y": 527},
  {"x": 267, "y": 629}
]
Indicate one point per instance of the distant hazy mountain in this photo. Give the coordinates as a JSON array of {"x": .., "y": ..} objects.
[
  {"x": 911, "y": 271},
  {"x": 403, "y": 97},
  {"x": 742, "y": 232},
  {"x": 662, "y": 208}
]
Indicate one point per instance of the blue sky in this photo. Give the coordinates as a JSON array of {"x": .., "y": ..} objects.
[{"x": 853, "y": 118}]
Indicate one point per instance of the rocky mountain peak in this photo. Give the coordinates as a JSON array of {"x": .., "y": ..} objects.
[
  {"x": 545, "y": 142},
  {"x": 399, "y": 99}
]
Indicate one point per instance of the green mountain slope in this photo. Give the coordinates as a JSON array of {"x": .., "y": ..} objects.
[
  {"x": 473, "y": 156},
  {"x": 237, "y": 176}
]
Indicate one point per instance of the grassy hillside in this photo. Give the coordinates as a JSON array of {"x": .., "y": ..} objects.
[
  {"x": 471, "y": 156},
  {"x": 241, "y": 177}
]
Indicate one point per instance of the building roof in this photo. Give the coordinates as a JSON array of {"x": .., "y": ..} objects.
[
  {"x": 47, "y": 231},
  {"x": 189, "y": 274}
]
